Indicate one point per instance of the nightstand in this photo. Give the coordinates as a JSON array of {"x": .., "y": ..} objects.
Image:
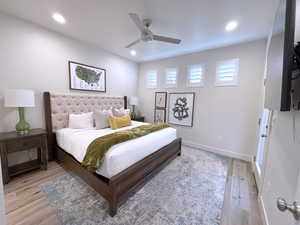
[
  {"x": 11, "y": 142},
  {"x": 139, "y": 118}
]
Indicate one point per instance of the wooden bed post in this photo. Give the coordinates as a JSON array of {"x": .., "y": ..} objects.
[
  {"x": 180, "y": 145},
  {"x": 125, "y": 102},
  {"x": 48, "y": 120},
  {"x": 113, "y": 204}
]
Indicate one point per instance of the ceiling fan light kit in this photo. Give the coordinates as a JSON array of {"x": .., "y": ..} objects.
[{"x": 146, "y": 33}]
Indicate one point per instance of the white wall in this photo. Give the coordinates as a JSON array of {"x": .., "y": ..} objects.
[
  {"x": 226, "y": 118},
  {"x": 35, "y": 58}
]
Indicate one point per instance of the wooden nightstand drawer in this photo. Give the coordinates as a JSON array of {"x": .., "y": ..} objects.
[
  {"x": 24, "y": 144},
  {"x": 140, "y": 119}
]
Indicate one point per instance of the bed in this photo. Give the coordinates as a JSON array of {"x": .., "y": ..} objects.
[{"x": 126, "y": 166}]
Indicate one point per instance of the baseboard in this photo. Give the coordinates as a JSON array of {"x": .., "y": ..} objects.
[
  {"x": 262, "y": 210},
  {"x": 220, "y": 151}
]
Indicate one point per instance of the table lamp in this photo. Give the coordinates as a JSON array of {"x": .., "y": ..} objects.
[
  {"x": 21, "y": 99},
  {"x": 133, "y": 101}
]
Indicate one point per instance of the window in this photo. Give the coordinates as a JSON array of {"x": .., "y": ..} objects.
[
  {"x": 195, "y": 76},
  {"x": 227, "y": 72},
  {"x": 152, "y": 79},
  {"x": 171, "y": 78}
]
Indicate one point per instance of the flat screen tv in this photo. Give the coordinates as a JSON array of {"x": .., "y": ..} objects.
[{"x": 280, "y": 58}]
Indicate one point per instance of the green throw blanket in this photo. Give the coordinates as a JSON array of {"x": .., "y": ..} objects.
[{"x": 97, "y": 149}]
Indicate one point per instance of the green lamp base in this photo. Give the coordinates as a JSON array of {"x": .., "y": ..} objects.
[
  {"x": 22, "y": 126},
  {"x": 133, "y": 114}
]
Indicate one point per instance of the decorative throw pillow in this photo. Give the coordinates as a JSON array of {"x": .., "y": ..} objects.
[
  {"x": 120, "y": 112},
  {"x": 101, "y": 118},
  {"x": 81, "y": 121},
  {"x": 118, "y": 122}
]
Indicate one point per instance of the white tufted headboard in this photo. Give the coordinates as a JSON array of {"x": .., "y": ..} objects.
[
  {"x": 61, "y": 105},
  {"x": 58, "y": 106}
]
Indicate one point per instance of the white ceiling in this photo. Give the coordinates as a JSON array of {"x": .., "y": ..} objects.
[{"x": 199, "y": 23}]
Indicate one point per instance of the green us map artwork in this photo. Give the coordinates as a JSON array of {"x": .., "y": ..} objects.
[
  {"x": 88, "y": 75},
  {"x": 89, "y": 78}
]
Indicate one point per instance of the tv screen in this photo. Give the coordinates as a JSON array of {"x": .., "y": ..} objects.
[{"x": 280, "y": 58}]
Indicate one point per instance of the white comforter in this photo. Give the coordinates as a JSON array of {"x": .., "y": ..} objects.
[{"x": 120, "y": 156}]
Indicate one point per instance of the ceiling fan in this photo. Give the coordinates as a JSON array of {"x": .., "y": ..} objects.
[{"x": 146, "y": 33}]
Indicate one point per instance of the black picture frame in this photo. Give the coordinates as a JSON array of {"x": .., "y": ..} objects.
[
  {"x": 192, "y": 111},
  {"x": 165, "y": 98},
  {"x": 155, "y": 114},
  {"x": 85, "y": 65}
]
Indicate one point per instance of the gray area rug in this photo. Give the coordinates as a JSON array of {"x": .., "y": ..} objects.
[{"x": 190, "y": 190}]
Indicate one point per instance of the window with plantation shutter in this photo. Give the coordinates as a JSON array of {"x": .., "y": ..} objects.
[
  {"x": 171, "y": 78},
  {"x": 152, "y": 79},
  {"x": 227, "y": 72},
  {"x": 195, "y": 76}
]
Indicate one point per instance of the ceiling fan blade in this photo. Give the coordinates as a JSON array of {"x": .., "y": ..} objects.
[
  {"x": 133, "y": 43},
  {"x": 166, "y": 39},
  {"x": 136, "y": 19}
]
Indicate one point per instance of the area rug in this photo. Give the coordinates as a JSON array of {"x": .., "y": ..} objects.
[{"x": 189, "y": 191}]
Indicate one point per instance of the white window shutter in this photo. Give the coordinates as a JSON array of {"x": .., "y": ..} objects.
[
  {"x": 152, "y": 79},
  {"x": 171, "y": 78},
  {"x": 227, "y": 72},
  {"x": 195, "y": 76}
]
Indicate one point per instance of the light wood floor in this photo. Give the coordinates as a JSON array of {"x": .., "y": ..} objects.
[
  {"x": 240, "y": 202},
  {"x": 26, "y": 204}
]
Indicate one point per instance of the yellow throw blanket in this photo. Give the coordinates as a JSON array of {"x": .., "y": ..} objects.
[{"x": 97, "y": 149}]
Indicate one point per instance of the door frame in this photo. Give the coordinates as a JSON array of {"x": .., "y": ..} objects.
[{"x": 259, "y": 177}]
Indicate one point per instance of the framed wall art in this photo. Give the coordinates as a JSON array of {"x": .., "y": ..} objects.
[
  {"x": 86, "y": 78},
  {"x": 159, "y": 115},
  {"x": 181, "y": 108},
  {"x": 160, "y": 100}
]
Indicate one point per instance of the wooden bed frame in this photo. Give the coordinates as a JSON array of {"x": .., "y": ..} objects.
[{"x": 118, "y": 188}]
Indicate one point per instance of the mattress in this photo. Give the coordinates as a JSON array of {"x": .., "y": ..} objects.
[{"x": 119, "y": 157}]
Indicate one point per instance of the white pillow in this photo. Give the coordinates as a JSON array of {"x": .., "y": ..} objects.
[
  {"x": 120, "y": 112},
  {"x": 81, "y": 121},
  {"x": 101, "y": 118}
]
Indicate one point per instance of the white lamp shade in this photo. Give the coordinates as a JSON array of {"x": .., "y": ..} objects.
[
  {"x": 19, "y": 98},
  {"x": 134, "y": 100}
]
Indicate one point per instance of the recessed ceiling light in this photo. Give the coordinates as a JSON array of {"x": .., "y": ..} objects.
[
  {"x": 232, "y": 25},
  {"x": 58, "y": 18},
  {"x": 133, "y": 52}
]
